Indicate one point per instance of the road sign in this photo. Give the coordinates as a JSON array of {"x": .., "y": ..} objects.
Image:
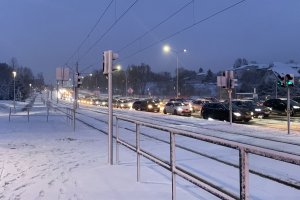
[{"x": 130, "y": 90}]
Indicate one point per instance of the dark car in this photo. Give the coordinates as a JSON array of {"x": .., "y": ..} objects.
[
  {"x": 279, "y": 106},
  {"x": 146, "y": 105},
  {"x": 258, "y": 111},
  {"x": 220, "y": 111},
  {"x": 296, "y": 99}
]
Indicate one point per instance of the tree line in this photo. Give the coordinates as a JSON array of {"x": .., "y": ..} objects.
[
  {"x": 143, "y": 81},
  {"x": 24, "y": 82}
]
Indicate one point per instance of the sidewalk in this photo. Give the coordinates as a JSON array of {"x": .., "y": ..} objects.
[{"x": 47, "y": 160}]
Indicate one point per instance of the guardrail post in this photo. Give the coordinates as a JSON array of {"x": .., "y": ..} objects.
[
  {"x": 173, "y": 164},
  {"x": 117, "y": 140},
  {"x": 74, "y": 119},
  {"x": 9, "y": 114},
  {"x": 27, "y": 114},
  {"x": 138, "y": 152},
  {"x": 244, "y": 174},
  {"x": 47, "y": 113}
]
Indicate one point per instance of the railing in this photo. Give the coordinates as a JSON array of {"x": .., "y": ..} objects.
[
  {"x": 13, "y": 112},
  {"x": 171, "y": 165},
  {"x": 68, "y": 112}
]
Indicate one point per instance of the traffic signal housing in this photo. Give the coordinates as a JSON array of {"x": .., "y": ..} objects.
[
  {"x": 78, "y": 80},
  {"x": 281, "y": 81},
  {"x": 105, "y": 62},
  {"x": 289, "y": 78}
]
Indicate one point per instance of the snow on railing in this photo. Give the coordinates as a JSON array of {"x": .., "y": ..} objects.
[{"x": 244, "y": 151}]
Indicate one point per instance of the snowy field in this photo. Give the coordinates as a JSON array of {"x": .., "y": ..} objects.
[{"x": 47, "y": 160}]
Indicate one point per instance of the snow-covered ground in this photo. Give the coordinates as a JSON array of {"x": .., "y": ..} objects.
[{"x": 47, "y": 160}]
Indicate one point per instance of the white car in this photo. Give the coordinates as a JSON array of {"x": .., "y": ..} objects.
[{"x": 177, "y": 108}]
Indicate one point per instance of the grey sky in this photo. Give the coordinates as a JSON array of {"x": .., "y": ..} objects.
[{"x": 43, "y": 34}]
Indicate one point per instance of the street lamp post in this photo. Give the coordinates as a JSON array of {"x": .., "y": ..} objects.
[
  {"x": 14, "y": 75},
  {"x": 168, "y": 49},
  {"x": 29, "y": 89}
]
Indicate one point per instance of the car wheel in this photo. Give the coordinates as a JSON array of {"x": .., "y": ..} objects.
[
  {"x": 246, "y": 120},
  {"x": 175, "y": 112},
  {"x": 164, "y": 111},
  {"x": 204, "y": 116}
]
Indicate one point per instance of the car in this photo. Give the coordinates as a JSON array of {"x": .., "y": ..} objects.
[
  {"x": 123, "y": 103},
  {"x": 279, "y": 106},
  {"x": 146, "y": 105},
  {"x": 220, "y": 111},
  {"x": 96, "y": 102},
  {"x": 177, "y": 108},
  {"x": 296, "y": 99},
  {"x": 198, "y": 103},
  {"x": 258, "y": 110}
]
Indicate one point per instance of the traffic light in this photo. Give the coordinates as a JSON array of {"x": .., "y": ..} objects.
[
  {"x": 78, "y": 80},
  {"x": 105, "y": 62},
  {"x": 232, "y": 82},
  {"x": 289, "y": 78},
  {"x": 108, "y": 57},
  {"x": 281, "y": 81}
]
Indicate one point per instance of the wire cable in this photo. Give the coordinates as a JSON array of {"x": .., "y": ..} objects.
[
  {"x": 156, "y": 26},
  {"x": 184, "y": 29},
  {"x": 90, "y": 32},
  {"x": 104, "y": 34}
]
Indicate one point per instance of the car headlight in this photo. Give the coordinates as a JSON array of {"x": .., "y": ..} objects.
[
  {"x": 257, "y": 109},
  {"x": 122, "y": 104},
  {"x": 237, "y": 114},
  {"x": 296, "y": 107},
  {"x": 150, "y": 106},
  {"x": 179, "y": 109},
  {"x": 251, "y": 113}
]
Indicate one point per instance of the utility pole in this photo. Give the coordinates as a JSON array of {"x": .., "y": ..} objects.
[{"x": 288, "y": 110}]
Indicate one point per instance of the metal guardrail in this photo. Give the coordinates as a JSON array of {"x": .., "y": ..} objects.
[
  {"x": 12, "y": 112},
  {"x": 68, "y": 112},
  {"x": 244, "y": 151}
]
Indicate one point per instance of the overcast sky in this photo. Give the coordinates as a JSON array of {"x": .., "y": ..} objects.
[{"x": 44, "y": 34}]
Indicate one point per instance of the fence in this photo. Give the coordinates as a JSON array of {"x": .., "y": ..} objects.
[
  {"x": 244, "y": 151},
  {"x": 25, "y": 112}
]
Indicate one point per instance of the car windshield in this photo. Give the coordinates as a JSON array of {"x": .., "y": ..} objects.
[
  {"x": 234, "y": 107},
  {"x": 179, "y": 104},
  {"x": 247, "y": 103}
]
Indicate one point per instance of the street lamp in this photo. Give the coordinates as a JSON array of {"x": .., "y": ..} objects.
[
  {"x": 30, "y": 89},
  {"x": 14, "y": 75},
  {"x": 167, "y": 49}
]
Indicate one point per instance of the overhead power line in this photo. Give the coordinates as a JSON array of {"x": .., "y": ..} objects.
[
  {"x": 156, "y": 26},
  {"x": 106, "y": 32},
  {"x": 90, "y": 32},
  {"x": 184, "y": 29}
]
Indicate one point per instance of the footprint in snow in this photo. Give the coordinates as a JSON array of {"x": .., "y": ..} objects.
[{"x": 42, "y": 193}]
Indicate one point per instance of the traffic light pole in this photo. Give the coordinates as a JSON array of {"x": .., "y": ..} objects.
[
  {"x": 230, "y": 105},
  {"x": 288, "y": 110},
  {"x": 110, "y": 112}
]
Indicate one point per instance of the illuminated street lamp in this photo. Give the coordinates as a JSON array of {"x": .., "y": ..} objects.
[
  {"x": 30, "y": 89},
  {"x": 168, "y": 49},
  {"x": 14, "y": 75}
]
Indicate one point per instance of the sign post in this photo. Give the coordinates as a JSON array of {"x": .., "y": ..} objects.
[{"x": 227, "y": 82}]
